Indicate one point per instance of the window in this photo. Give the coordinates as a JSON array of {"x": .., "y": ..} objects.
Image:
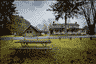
[
  {"x": 30, "y": 31},
  {"x": 70, "y": 26},
  {"x": 27, "y": 31}
]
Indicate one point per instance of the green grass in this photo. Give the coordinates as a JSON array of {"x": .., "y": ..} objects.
[{"x": 68, "y": 51}]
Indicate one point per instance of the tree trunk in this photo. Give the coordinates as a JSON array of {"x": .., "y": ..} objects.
[
  {"x": 4, "y": 31},
  {"x": 65, "y": 24},
  {"x": 91, "y": 29}
]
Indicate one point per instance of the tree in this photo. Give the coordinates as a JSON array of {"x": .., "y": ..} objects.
[
  {"x": 49, "y": 26},
  {"x": 69, "y": 7},
  {"x": 89, "y": 13},
  {"x": 87, "y": 10},
  {"x": 18, "y": 24},
  {"x": 6, "y": 10},
  {"x": 57, "y": 8},
  {"x": 45, "y": 29}
]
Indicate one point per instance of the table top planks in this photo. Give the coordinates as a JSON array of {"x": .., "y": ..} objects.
[
  {"x": 33, "y": 41},
  {"x": 29, "y": 48}
]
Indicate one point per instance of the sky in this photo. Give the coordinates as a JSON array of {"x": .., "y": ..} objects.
[{"x": 35, "y": 12}]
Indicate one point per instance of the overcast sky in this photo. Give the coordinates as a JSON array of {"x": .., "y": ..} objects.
[{"x": 35, "y": 12}]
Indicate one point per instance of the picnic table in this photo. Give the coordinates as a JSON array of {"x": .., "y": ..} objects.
[{"x": 26, "y": 42}]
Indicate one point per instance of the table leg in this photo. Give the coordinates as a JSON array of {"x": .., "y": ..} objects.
[
  {"x": 22, "y": 43},
  {"x": 26, "y": 44},
  {"x": 43, "y": 44}
]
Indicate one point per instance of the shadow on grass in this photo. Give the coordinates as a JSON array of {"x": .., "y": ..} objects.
[
  {"x": 19, "y": 56},
  {"x": 75, "y": 56},
  {"x": 65, "y": 55}
]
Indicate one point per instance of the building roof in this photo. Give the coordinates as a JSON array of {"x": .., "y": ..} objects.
[
  {"x": 62, "y": 25},
  {"x": 19, "y": 24},
  {"x": 38, "y": 29},
  {"x": 68, "y": 24},
  {"x": 35, "y": 28}
]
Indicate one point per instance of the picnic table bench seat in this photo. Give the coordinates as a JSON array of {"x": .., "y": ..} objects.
[
  {"x": 29, "y": 48},
  {"x": 33, "y": 41},
  {"x": 26, "y": 42}
]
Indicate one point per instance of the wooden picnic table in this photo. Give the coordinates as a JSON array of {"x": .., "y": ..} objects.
[
  {"x": 30, "y": 48},
  {"x": 26, "y": 42}
]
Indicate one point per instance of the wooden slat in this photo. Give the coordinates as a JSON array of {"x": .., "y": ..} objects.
[
  {"x": 34, "y": 46},
  {"x": 29, "y": 48},
  {"x": 31, "y": 41}
]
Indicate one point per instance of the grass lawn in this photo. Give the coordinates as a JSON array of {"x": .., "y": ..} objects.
[{"x": 64, "y": 51}]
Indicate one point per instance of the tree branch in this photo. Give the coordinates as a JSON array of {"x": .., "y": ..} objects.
[
  {"x": 93, "y": 11},
  {"x": 87, "y": 19}
]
